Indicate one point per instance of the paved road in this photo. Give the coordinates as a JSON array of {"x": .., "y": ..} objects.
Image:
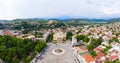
[{"x": 50, "y": 57}]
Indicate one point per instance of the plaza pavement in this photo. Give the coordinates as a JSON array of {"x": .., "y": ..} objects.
[{"x": 50, "y": 57}]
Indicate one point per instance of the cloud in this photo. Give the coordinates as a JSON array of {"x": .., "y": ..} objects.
[
  {"x": 113, "y": 8},
  {"x": 11, "y": 9},
  {"x": 110, "y": 10}
]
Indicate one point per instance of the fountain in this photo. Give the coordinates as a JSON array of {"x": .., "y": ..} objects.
[{"x": 58, "y": 50}]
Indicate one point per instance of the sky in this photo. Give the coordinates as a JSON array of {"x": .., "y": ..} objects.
[{"x": 13, "y": 9}]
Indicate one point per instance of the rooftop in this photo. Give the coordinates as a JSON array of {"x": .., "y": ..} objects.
[{"x": 88, "y": 58}]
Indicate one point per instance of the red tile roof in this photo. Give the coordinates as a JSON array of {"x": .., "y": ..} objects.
[
  {"x": 99, "y": 55},
  {"x": 96, "y": 49},
  {"x": 88, "y": 58},
  {"x": 8, "y": 32},
  {"x": 113, "y": 57}
]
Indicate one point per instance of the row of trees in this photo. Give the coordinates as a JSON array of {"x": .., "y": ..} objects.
[
  {"x": 115, "y": 61},
  {"x": 15, "y": 50},
  {"x": 69, "y": 35},
  {"x": 49, "y": 37},
  {"x": 83, "y": 38}
]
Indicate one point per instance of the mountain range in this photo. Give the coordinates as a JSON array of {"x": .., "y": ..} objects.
[{"x": 66, "y": 20}]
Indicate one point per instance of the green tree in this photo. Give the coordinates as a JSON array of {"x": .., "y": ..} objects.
[
  {"x": 13, "y": 50},
  {"x": 49, "y": 37},
  {"x": 94, "y": 43},
  {"x": 86, "y": 39},
  {"x": 69, "y": 35},
  {"x": 80, "y": 37},
  {"x": 115, "y": 61},
  {"x": 106, "y": 49},
  {"x": 93, "y": 53},
  {"x": 27, "y": 60},
  {"x": 79, "y": 30},
  {"x": 15, "y": 60}
]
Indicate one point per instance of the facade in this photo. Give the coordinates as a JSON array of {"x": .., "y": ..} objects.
[
  {"x": 74, "y": 40},
  {"x": 59, "y": 36}
]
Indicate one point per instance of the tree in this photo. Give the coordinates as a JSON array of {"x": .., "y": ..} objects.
[
  {"x": 15, "y": 60},
  {"x": 79, "y": 30},
  {"x": 14, "y": 50},
  {"x": 115, "y": 39},
  {"x": 94, "y": 43},
  {"x": 110, "y": 41},
  {"x": 25, "y": 31},
  {"x": 86, "y": 39},
  {"x": 115, "y": 61},
  {"x": 69, "y": 35},
  {"x": 49, "y": 37},
  {"x": 36, "y": 33},
  {"x": 80, "y": 37},
  {"x": 59, "y": 24},
  {"x": 106, "y": 49},
  {"x": 27, "y": 60},
  {"x": 93, "y": 53}
]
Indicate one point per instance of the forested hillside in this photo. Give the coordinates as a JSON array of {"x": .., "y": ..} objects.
[{"x": 15, "y": 50}]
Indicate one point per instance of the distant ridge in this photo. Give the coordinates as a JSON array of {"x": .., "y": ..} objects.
[{"x": 65, "y": 20}]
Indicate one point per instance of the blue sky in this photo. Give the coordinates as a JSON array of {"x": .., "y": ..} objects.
[{"x": 12, "y": 9}]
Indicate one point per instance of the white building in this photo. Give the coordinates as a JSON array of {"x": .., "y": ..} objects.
[
  {"x": 59, "y": 36},
  {"x": 74, "y": 40}
]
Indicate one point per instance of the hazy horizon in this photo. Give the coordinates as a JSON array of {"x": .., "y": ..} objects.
[{"x": 22, "y": 9}]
